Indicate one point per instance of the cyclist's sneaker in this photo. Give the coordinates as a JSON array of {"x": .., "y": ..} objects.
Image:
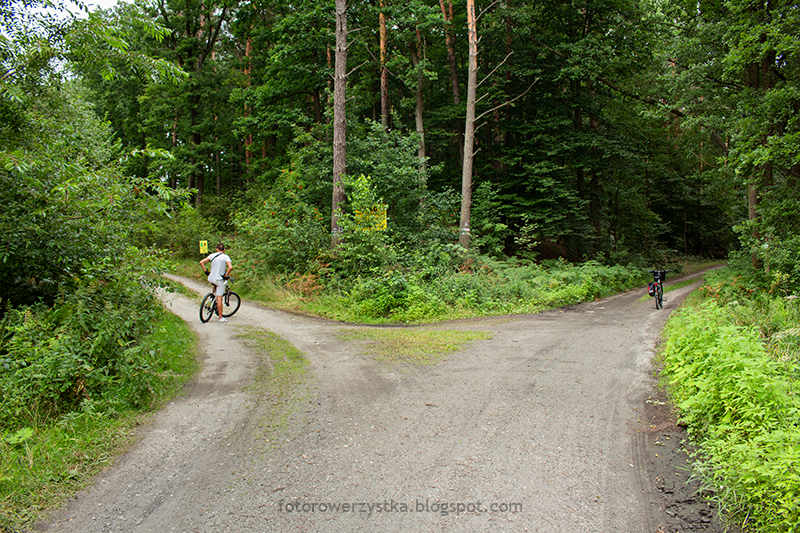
[{"x": 223, "y": 319}]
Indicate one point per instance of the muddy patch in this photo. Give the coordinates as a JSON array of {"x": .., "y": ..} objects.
[{"x": 665, "y": 444}]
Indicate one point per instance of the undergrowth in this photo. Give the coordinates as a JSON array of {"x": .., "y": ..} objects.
[
  {"x": 75, "y": 378},
  {"x": 430, "y": 290},
  {"x": 731, "y": 363},
  {"x": 282, "y": 379}
]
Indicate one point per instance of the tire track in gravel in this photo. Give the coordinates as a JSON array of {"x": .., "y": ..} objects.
[{"x": 540, "y": 428}]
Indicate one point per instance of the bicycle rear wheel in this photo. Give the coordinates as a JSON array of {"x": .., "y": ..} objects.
[
  {"x": 208, "y": 307},
  {"x": 659, "y": 297},
  {"x": 230, "y": 304}
]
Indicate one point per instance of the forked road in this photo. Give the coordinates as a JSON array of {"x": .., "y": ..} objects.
[{"x": 536, "y": 429}]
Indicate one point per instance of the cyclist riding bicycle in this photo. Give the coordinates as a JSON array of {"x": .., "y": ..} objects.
[{"x": 220, "y": 271}]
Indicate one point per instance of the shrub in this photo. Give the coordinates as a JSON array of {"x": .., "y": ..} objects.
[
  {"x": 742, "y": 409},
  {"x": 84, "y": 350},
  {"x": 280, "y": 232}
]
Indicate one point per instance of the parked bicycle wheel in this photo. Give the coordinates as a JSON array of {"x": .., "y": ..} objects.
[
  {"x": 659, "y": 297},
  {"x": 208, "y": 307},
  {"x": 230, "y": 303}
]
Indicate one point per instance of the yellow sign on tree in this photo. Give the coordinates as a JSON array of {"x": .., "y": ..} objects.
[{"x": 203, "y": 247}]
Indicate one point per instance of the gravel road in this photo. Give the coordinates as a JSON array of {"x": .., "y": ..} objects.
[{"x": 554, "y": 424}]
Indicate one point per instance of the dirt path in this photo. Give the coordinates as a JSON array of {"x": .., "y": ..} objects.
[{"x": 549, "y": 426}]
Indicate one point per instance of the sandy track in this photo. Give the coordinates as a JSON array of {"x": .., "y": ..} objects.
[{"x": 542, "y": 428}]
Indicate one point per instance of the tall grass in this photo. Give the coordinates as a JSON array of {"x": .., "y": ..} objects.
[
  {"x": 48, "y": 451},
  {"x": 730, "y": 362},
  {"x": 409, "y": 295}
]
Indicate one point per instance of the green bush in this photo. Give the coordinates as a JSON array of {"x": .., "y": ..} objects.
[
  {"x": 279, "y": 233},
  {"x": 448, "y": 282},
  {"x": 84, "y": 351},
  {"x": 742, "y": 409}
]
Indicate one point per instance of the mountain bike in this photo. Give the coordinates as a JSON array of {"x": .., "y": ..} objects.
[
  {"x": 656, "y": 288},
  {"x": 230, "y": 304}
]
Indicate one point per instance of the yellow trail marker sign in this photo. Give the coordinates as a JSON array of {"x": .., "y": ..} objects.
[
  {"x": 372, "y": 220},
  {"x": 203, "y": 247}
]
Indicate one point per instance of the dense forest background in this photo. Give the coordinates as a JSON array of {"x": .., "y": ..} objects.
[{"x": 621, "y": 131}]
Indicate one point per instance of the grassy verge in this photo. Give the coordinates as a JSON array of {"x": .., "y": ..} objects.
[
  {"x": 414, "y": 346},
  {"x": 406, "y": 295},
  {"x": 43, "y": 464},
  {"x": 730, "y": 362},
  {"x": 282, "y": 381}
]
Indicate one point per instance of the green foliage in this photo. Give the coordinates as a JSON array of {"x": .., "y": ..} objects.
[
  {"x": 83, "y": 340},
  {"x": 364, "y": 246},
  {"x": 736, "y": 77},
  {"x": 279, "y": 232},
  {"x": 48, "y": 458},
  {"x": 441, "y": 284},
  {"x": 67, "y": 206},
  {"x": 180, "y": 232},
  {"x": 85, "y": 352},
  {"x": 489, "y": 234},
  {"x": 736, "y": 389}
]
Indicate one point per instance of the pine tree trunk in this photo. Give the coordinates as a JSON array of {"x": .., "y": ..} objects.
[
  {"x": 420, "y": 106},
  {"x": 339, "y": 120},
  {"x": 385, "y": 112},
  {"x": 469, "y": 128},
  {"x": 447, "y": 12}
]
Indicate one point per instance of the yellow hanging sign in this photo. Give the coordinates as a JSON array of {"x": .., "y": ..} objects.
[{"x": 204, "y": 247}]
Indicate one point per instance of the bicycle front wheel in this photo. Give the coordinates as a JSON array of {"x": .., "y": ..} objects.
[
  {"x": 659, "y": 297},
  {"x": 230, "y": 304},
  {"x": 208, "y": 307}
]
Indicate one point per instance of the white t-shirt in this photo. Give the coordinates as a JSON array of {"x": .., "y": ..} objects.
[{"x": 219, "y": 265}]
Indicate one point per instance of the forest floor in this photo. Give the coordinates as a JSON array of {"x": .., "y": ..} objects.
[{"x": 554, "y": 423}]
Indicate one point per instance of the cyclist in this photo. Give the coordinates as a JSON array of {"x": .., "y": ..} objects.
[{"x": 219, "y": 272}]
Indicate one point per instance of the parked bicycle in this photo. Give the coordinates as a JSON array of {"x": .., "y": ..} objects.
[
  {"x": 230, "y": 304},
  {"x": 656, "y": 287}
]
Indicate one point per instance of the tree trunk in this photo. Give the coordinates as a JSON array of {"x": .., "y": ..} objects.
[
  {"x": 219, "y": 174},
  {"x": 339, "y": 120},
  {"x": 248, "y": 143},
  {"x": 447, "y": 11},
  {"x": 469, "y": 128},
  {"x": 196, "y": 176},
  {"x": 420, "y": 107},
  {"x": 385, "y": 113},
  {"x": 316, "y": 97}
]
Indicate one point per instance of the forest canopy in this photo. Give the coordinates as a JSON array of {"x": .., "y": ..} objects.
[{"x": 624, "y": 130}]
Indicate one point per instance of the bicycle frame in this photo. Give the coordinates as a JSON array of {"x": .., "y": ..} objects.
[
  {"x": 230, "y": 304},
  {"x": 659, "y": 277}
]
